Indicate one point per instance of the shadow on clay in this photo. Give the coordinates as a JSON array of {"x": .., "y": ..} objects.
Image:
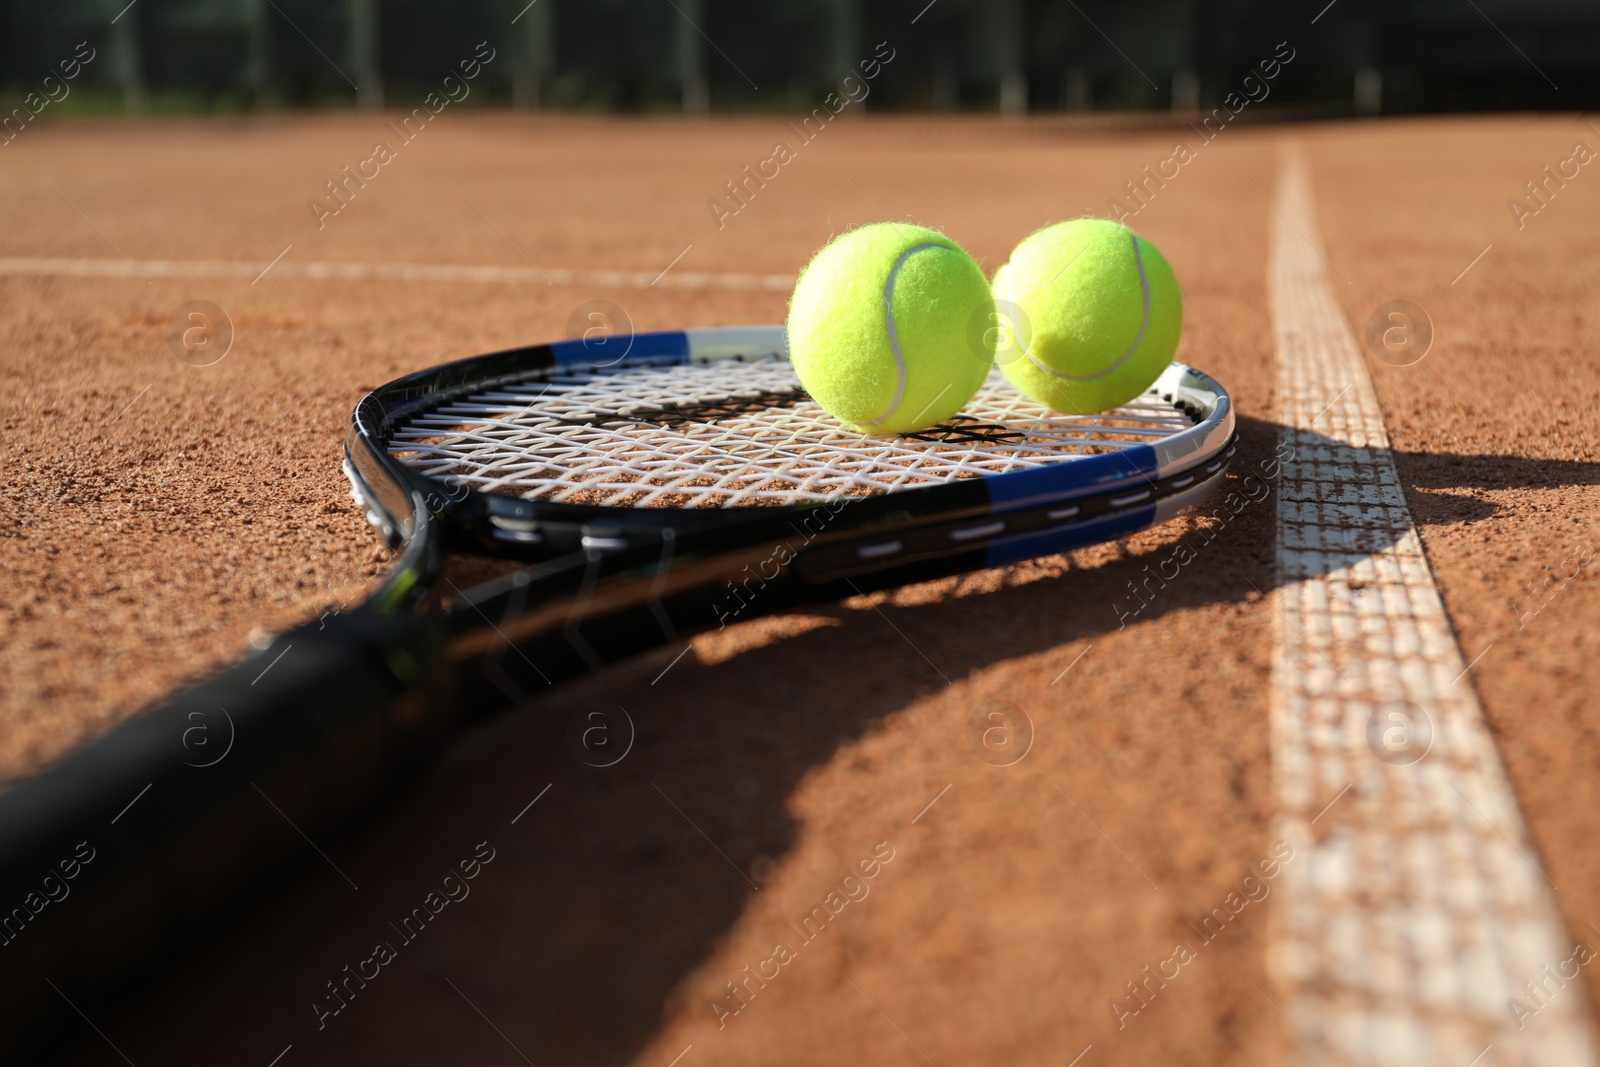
[{"x": 623, "y": 880}]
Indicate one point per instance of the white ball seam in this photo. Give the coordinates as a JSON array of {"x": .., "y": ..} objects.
[{"x": 894, "y": 335}]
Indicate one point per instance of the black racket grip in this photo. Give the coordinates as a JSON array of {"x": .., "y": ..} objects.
[{"x": 138, "y": 840}]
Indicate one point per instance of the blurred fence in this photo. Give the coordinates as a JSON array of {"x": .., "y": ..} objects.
[{"x": 744, "y": 55}]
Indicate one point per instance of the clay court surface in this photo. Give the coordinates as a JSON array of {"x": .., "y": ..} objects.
[{"x": 157, "y": 512}]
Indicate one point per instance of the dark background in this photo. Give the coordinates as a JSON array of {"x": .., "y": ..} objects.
[{"x": 1353, "y": 56}]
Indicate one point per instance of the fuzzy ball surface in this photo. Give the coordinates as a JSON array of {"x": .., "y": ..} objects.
[
  {"x": 1095, "y": 315},
  {"x": 879, "y": 328}
]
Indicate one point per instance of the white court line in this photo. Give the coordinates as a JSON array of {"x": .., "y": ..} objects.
[
  {"x": 62, "y": 267},
  {"x": 1406, "y": 920}
]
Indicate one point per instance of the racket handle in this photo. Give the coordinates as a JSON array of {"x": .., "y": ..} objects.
[{"x": 131, "y": 842}]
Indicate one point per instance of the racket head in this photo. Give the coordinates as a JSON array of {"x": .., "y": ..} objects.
[{"x": 604, "y": 443}]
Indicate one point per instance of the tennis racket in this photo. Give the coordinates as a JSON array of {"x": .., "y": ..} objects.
[{"x": 641, "y": 488}]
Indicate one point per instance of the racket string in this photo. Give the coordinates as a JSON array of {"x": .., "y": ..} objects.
[{"x": 735, "y": 433}]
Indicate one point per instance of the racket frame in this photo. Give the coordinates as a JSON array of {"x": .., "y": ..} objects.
[{"x": 975, "y": 522}]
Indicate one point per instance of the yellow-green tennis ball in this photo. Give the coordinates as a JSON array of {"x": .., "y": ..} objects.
[
  {"x": 879, "y": 328},
  {"x": 1096, "y": 314}
]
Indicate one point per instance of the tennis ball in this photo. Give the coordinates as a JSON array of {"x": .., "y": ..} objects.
[
  {"x": 878, "y": 328},
  {"x": 1095, "y": 312}
]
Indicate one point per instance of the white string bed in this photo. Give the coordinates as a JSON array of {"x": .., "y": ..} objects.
[{"x": 734, "y": 433}]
